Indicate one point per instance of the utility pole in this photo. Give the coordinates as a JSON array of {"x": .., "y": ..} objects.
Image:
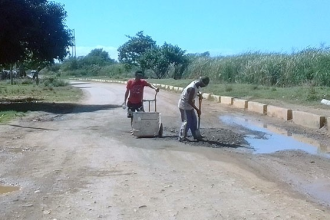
[{"x": 74, "y": 43}]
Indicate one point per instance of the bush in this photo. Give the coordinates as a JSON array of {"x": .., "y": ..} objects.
[{"x": 54, "y": 82}]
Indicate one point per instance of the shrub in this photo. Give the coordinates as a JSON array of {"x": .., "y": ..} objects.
[{"x": 54, "y": 82}]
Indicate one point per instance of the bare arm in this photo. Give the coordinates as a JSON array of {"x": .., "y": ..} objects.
[
  {"x": 126, "y": 95},
  {"x": 191, "y": 92},
  {"x": 153, "y": 87}
]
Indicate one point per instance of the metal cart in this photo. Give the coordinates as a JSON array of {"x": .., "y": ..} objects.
[{"x": 148, "y": 124}]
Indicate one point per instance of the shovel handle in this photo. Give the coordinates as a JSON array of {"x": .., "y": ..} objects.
[
  {"x": 200, "y": 111},
  {"x": 200, "y": 104}
]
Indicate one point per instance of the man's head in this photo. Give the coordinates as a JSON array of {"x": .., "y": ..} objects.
[
  {"x": 138, "y": 74},
  {"x": 204, "y": 81}
]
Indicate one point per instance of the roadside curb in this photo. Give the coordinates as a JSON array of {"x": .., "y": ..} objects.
[{"x": 305, "y": 119}]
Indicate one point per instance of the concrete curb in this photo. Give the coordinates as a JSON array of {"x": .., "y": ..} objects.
[
  {"x": 227, "y": 100},
  {"x": 240, "y": 103},
  {"x": 278, "y": 112},
  {"x": 307, "y": 119},
  {"x": 257, "y": 107}
]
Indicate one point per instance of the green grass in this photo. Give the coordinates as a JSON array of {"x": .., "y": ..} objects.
[
  {"x": 6, "y": 116},
  {"x": 302, "y": 95},
  {"x": 48, "y": 90},
  {"x": 311, "y": 65}
]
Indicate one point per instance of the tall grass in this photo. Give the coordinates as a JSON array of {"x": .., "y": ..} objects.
[{"x": 310, "y": 66}]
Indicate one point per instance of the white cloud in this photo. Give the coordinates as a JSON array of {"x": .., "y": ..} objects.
[{"x": 83, "y": 51}]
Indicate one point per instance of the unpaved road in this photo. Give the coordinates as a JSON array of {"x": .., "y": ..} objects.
[{"x": 81, "y": 162}]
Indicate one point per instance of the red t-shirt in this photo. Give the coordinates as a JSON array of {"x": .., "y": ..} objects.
[{"x": 136, "y": 90}]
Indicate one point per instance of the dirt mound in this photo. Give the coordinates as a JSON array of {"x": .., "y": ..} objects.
[{"x": 212, "y": 137}]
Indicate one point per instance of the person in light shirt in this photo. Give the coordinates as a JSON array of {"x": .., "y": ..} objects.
[{"x": 188, "y": 107}]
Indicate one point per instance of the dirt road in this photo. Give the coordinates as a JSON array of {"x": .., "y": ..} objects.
[{"x": 81, "y": 162}]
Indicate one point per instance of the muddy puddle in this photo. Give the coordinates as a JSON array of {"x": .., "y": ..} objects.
[
  {"x": 265, "y": 138},
  {"x": 8, "y": 189}
]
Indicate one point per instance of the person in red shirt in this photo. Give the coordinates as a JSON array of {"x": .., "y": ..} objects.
[{"x": 134, "y": 93}]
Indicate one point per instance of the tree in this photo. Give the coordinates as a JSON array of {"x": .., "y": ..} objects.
[
  {"x": 130, "y": 52},
  {"x": 34, "y": 31},
  {"x": 161, "y": 59},
  {"x": 175, "y": 57},
  {"x": 97, "y": 57},
  {"x": 153, "y": 59},
  {"x": 142, "y": 51}
]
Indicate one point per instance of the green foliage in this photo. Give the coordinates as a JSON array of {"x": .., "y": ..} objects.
[
  {"x": 27, "y": 82},
  {"x": 130, "y": 51},
  {"x": 92, "y": 64},
  {"x": 309, "y": 66},
  {"x": 95, "y": 57},
  {"x": 69, "y": 64},
  {"x": 176, "y": 57},
  {"x": 54, "y": 82},
  {"x": 6, "y": 116},
  {"x": 154, "y": 60},
  {"x": 114, "y": 71},
  {"x": 54, "y": 67},
  {"x": 33, "y": 31},
  {"x": 312, "y": 94},
  {"x": 301, "y": 95},
  {"x": 228, "y": 88},
  {"x": 141, "y": 51},
  {"x": 163, "y": 61},
  {"x": 50, "y": 89}
]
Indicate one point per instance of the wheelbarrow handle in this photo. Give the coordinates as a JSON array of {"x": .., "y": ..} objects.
[
  {"x": 200, "y": 104},
  {"x": 156, "y": 101}
]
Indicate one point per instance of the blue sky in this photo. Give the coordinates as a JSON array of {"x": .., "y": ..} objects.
[{"x": 222, "y": 27}]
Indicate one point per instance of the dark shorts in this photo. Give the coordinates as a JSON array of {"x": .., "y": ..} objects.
[{"x": 132, "y": 107}]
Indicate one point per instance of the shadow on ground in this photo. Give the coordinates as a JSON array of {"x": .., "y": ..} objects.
[{"x": 56, "y": 108}]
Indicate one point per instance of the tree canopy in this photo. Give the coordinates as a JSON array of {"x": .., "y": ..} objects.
[
  {"x": 97, "y": 57},
  {"x": 33, "y": 30},
  {"x": 130, "y": 51},
  {"x": 142, "y": 51}
]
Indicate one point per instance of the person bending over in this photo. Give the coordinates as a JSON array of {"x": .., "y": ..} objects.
[{"x": 187, "y": 108}]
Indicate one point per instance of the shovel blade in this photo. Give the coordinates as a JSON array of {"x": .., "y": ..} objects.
[{"x": 198, "y": 134}]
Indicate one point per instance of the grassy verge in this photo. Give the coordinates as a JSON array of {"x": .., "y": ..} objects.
[
  {"x": 6, "y": 116},
  {"x": 48, "y": 90},
  {"x": 301, "y": 95}
]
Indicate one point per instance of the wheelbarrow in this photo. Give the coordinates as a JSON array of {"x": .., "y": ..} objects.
[{"x": 148, "y": 124}]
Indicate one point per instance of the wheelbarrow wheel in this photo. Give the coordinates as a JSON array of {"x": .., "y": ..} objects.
[{"x": 161, "y": 129}]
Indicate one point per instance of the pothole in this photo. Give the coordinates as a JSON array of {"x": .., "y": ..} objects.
[{"x": 265, "y": 138}]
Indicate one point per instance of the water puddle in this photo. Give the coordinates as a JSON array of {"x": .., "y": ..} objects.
[
  {"x": 8, "y": 189},
  {"x": 269, "y": 139}
]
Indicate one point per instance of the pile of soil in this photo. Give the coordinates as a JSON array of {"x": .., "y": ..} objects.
[{"x": 212, "y": 137}]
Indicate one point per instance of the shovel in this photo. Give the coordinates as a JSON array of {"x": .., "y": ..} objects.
[{"x": 197, "y": 132}]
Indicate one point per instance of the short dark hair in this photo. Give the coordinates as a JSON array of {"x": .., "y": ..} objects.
[
  {"x": 138, "y": 73},
  {"x": 204, "y": 80}
]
